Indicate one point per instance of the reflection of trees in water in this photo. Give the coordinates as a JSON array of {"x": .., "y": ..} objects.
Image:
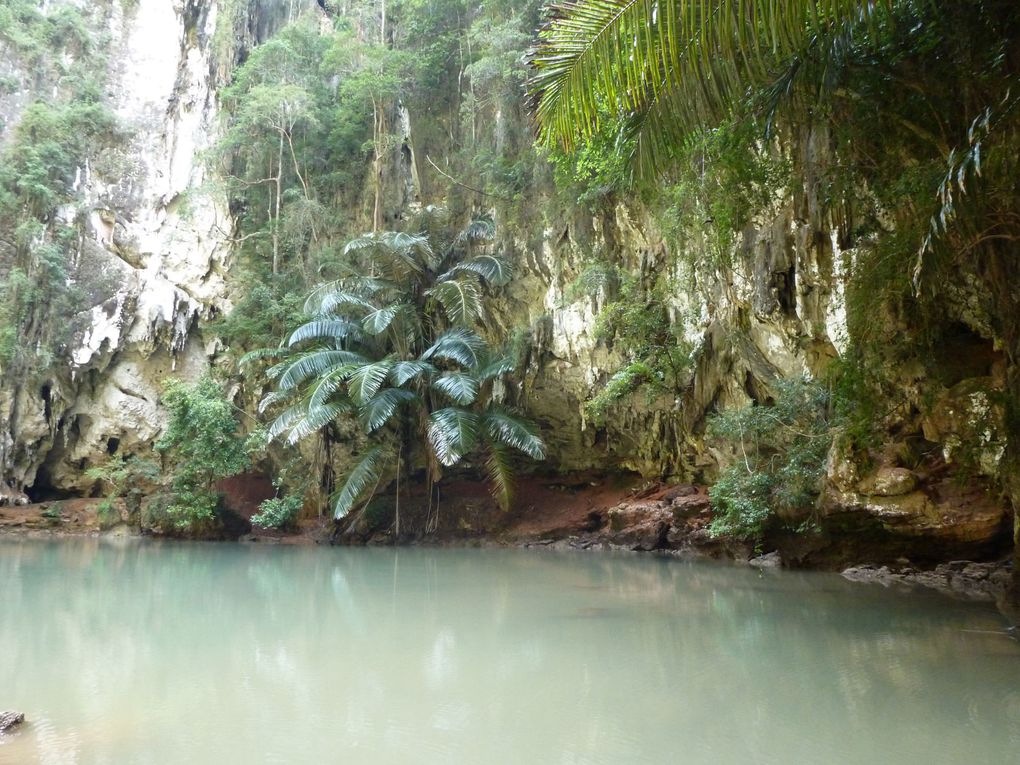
[{"x": 577, "y": 654}]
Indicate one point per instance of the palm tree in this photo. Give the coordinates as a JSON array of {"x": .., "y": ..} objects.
[
  {"x": 390, "y": 344},
  {"x": 665, "y": 67}
]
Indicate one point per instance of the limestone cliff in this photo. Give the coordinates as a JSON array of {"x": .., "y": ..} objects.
[{"x": 152, "y": 222}]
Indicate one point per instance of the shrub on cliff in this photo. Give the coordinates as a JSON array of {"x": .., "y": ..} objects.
[
  {"x": 779, "y": 453},
  {"x": 202, "y": 443}
]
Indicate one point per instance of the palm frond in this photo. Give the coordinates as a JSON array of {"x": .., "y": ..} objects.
[
  {"x": 301, "y": 420},
  {"x": 272, "y": 399},
  {"x": 395, "y": 254},
  {"x": 493, "y": 368},
  {"x": 261, "y": 354},
  {"x": 326, "y": 329},
  {"x": 459, "y": 387},
  {"x": 460, "y": 345},
  {"x": 480, "y": 229},
  {"x": 366, "y": 380},
  {"x": 503, "y": 427},
  {"x": 452, "y": 433},
  {"x": 377, "y": 411},
  {"x": 362, "y": 475},
  {"x": 693, "y": 59},
  {"x": 500, "y": 471},
  {"x": 379, "y": 320},
  {"x": 405, "y": 371},
  {"x": 324, "y": 301},
  {"x": 316, "y": 363},
  {"x": 326, "y": 386},
  {"x": 459, "y": 298},
  {"x": 315, "y": 419},
  {"x": 285, "y": 420},
  {"x": 494, "y": 269}
]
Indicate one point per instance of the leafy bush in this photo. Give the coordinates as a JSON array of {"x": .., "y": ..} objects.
[
  {"x": 780, "y": 452},
  {"x": 203, "y": 444},
  {"x": 278, "y": 512},
  {"x": 125, "y": 478}
]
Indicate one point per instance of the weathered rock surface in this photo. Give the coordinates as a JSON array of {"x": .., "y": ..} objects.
[
  {"x": 10, "y": 720},
  {"x": 888, "y": 482},
  {"x": 967, "y": 579}
]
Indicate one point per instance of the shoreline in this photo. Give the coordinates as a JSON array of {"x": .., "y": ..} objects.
[{"x": 968, "y": 580}]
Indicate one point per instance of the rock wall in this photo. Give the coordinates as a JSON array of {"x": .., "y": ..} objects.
[{"x": 153, "y": 223}]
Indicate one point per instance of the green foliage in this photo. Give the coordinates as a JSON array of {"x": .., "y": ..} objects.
[
  {"x": 638, "y": 324},
  {"x": 779, "y": 457},
  {"x": 202, "y": 444},
  {"x": 40, "y": 158},
  {"x": 279, "y": 512},
  {"x": 391, "y": 344},
  {"x": 724, "y": 178},
  {"x": 125, "y": 477},
  {"x": 599, "y": 167}
]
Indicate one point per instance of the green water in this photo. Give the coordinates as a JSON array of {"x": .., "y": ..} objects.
[{"x": 134, "y": 652}]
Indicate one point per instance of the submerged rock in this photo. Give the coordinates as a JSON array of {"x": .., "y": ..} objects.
[
  {"x": 967, "y": 579},
  {"x": 9, "y": 720}
]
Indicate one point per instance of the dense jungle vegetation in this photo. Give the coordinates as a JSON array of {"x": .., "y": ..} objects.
[{"x": 383, "y": 169}]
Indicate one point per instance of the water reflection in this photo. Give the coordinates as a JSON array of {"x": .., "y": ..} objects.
[{"x": 135, "y": 652}]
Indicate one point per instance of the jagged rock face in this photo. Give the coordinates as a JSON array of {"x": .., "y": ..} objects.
[
  {"x": 156, "y": 228},
  {"x": 777, "y": 312}
]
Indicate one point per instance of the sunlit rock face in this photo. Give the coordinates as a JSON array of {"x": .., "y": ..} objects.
[{"x": 154, "y": 226}]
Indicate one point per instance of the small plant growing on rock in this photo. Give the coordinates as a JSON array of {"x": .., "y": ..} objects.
[
  {"x": 279, "y": 512},
  {"x": 125, "y": 478}
]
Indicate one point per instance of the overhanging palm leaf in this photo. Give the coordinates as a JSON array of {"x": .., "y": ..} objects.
[
  {"x": 501, "y": 475},
  {"x": 692, "y": 59},
  {"x": 460, "y": 345},
  {"x": 366, "y": 473},
  {"x": 460, "y": 299},
  {"x": 502, "y": 427},
  {"x": 453, "y": 432},
  {"x": 381, "y": 407}
]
